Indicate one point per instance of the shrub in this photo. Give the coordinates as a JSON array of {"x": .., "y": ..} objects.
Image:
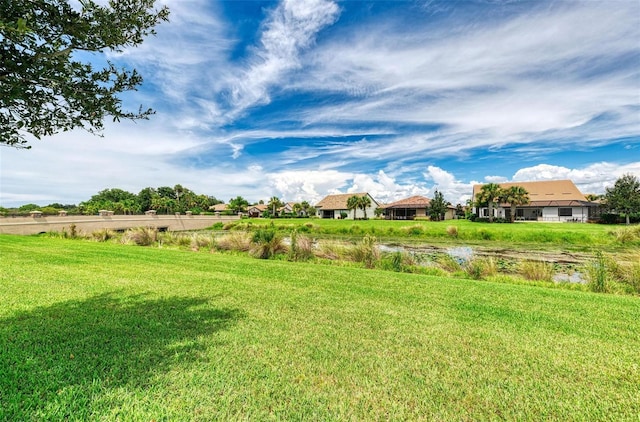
[
  {"x": 266, "y": 243},
  {"x": 536, "y": 270},
  {"x": 217, "y": 226}
]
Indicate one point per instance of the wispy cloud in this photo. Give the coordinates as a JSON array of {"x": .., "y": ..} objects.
[{"x": 290, "y": 28}]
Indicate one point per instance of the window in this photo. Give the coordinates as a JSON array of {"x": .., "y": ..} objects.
[
  {"x": 485, "y": 212},
  {"x": 520, "y": 212},
  {"x": 565, "y": 212}
]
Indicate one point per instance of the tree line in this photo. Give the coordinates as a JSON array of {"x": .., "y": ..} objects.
[{"x": 164, "y": 199}]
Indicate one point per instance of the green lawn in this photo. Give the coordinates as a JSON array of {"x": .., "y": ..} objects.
[{"x": 101, "y": 331}]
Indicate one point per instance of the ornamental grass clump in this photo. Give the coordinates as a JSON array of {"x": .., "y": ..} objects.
[
  {"x": 235, "y": 241},
  {"x": 103, "y": 235},
  {"x": 452, "y": 231},
  {"x": 400, "y": 262},
  {"x": 366, "y": 252},
  {"x": 479, "y": 268},
  {"x": 301, "y": 247},
  {"x": 197, "y": 241},
  {"x": 598, "y": 273},
  {"x": 536, "y": 270},
  {"x": 266, "y": 243},
  {"x": 141, "y": 236},
  {"x": 332, "y": 250}
]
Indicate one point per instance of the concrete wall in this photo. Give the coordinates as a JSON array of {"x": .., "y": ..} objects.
[{"x": 91, "y": 223}]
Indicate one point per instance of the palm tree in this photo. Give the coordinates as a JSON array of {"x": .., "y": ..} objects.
[
  {"x": 364, "y": 202},
  {"x": 353, "y": 203},
  {"x": 514, "y": 196},
  {"x": 274, "y": 203},
  {"x": 489, "y": 194},
  {"x": 297, "y": 208}
]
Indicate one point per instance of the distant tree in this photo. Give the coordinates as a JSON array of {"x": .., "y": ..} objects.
[
  {"x": 238, "y": 204},
  {"x": 437, "y": 206},
  {"x": 166, "y": 192},
  {"x": 305, "y": 207},
  {"x": 28, "y": 208},
  {"x": 514, "y": 196},
  {"x": 274, "y": 204},
  {"x": 489, "y": 194},
  {"x": 44, "y": 87},
  {"x": 364, "y": 202},
  {"x": 624, "y": 196},
  {"x": 591, "y": 197},
  {"x": 145, "y": 198},
  {"x": 297, "y": 208},
  {"x": 353, "y": 203}
]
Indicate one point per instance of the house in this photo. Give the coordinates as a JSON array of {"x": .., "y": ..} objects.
[
  {"x": 257, "y": 210},
  {"x": 286, "y": 208},
  {"x": 332, "y": 206},
  {"x": 411, "y": 208},
  {"x": 218, "y": 208},
  {"x": 550, "y": 200}
]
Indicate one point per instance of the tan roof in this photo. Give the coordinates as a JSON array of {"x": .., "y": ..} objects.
[
  {"x": 545, "y": 191},
  {"x": 259, "y": 207},
  {"x": 339, "y": 202},
  {"x": 218, "y": 207},
  {"x": 412, "y": 202}
]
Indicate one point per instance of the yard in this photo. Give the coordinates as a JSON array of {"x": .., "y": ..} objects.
[{"x": 102, "y": 331}]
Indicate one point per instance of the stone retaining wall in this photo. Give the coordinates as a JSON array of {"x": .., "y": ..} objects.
[{"x": 91, "y": 223}]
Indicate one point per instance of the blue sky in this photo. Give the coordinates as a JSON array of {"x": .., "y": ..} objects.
[{"x": 299, "y": 99}]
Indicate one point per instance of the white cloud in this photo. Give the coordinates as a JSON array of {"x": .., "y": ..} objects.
[
  {"x": 290, "y": 28},
  {"x": 453, "y": 190}
]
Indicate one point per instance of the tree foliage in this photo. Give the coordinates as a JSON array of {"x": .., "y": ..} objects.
[
  {"x": 45, "y": 88},
  {"x": 489, "y": 194},
  {"x": 624, "y": 196},
  {"x": 353, "y": 202},
  {"x": 514, "y": 196},
  {"x": 274, "y": 204},
  {"x": 438, "y": 206},
  {"x": 238, "y": 204},
  {"x": 364, "y": 202}
]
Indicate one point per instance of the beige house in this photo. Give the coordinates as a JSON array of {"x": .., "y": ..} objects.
[
  {"x": 332, "y": 206},
  {"x": 218, "y": 208},
  {"x": 257, "y": 210},
  {"x": 412, "y": 208},
  {"x": 550, "y": 200}
]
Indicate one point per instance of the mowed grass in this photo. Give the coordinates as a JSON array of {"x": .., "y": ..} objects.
[{"x": 101, "y": 331}]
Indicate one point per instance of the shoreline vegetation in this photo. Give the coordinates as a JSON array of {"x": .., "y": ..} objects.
[
  {"x": 104, "y": 331},
  {"x": 573, "y": 256}
]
